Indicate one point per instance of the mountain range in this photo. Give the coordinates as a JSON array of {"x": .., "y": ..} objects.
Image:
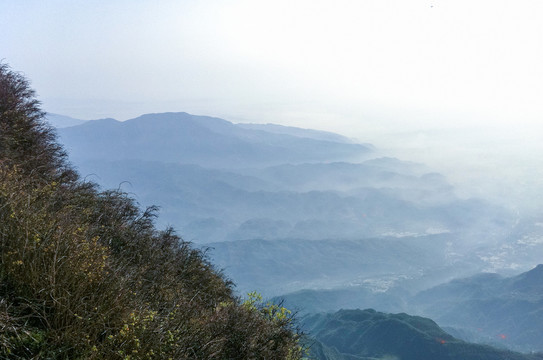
[
  {"x": 217, "y": 181},
  {"x": 202, "y": 140},
  {"x": 485, "y": 308},
  {"x": 315, "y": 217}
]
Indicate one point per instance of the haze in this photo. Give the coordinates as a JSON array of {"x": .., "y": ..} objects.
[{"x": 455, "y": 84}]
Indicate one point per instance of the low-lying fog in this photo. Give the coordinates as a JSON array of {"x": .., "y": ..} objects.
[
  {"x": 503, "y": 165},
  {"x": 490, "y": 155}
]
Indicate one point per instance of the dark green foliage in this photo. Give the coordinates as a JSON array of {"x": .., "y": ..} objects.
[
  {"x": 85, "y": 274},
  {"x": 25, "y": 139},
  {"x": 362, "y": 334}
]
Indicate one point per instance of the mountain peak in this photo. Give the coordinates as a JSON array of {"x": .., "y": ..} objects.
[
  {"x": 173, "y": 117},
  {"x": 192, "y": 139},
  {"x": 530, "y": 281}
]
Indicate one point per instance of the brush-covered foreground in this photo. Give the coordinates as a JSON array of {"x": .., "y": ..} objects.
[{"x": 84, "y": 273}]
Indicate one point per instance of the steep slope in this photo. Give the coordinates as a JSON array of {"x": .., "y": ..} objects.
[{"x": 85, "y": 274}]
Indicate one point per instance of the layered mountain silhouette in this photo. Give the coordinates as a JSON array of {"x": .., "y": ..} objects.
[
  {"x": 217, "y": 181},
  {"x": 491, "y": 308},
  {"x": 318, "y": 216},
  {"x": 486, "y": 308},
  {"x": 252, "y": 185}
]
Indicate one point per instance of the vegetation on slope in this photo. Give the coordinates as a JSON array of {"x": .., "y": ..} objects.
[
  {"x": 368, "y": 334},
  {"x": 84, "y": 273}
]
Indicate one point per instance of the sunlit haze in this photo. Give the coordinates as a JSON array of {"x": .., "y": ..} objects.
[{"x": 454, "y": 83}]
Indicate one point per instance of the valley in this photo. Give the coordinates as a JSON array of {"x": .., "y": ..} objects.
[{"x": 319, "y": 221}]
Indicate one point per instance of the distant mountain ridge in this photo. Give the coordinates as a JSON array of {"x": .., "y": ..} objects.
[
  {"x": 203, "y": 140},
  {"x": 294, "y": 131},
  {"x": 62, "y": 121}
]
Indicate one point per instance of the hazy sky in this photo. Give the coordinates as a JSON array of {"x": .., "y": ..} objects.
[
  {"x": 363, "y": 68},
  {"x": 250, "y": 58}
]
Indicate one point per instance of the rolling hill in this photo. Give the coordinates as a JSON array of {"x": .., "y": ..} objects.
[
  {"x": 367, "y": 334},
  {"x": 499, "y": 310}
]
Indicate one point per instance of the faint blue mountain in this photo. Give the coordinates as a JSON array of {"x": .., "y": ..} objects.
[
  {"x": 505, "y": 311},
  {"x": 206, "y": 141},
  {"x": 62, "y": 121}
]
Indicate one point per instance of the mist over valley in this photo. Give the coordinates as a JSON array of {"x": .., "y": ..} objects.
[
  {"x": 279, "y": 180},
  {"x": 323, "y": 222}
]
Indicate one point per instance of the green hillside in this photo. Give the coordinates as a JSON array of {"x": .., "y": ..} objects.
[{"x": 368, "y": 334}]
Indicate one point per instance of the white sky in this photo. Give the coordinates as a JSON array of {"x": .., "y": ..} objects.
[{"x": 362, "y": 68}]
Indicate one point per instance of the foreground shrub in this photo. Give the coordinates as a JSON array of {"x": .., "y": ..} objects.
[{"x": 84, "y": 273}]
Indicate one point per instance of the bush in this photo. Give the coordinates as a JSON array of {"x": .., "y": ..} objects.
[{"x": 84, "y": 273}]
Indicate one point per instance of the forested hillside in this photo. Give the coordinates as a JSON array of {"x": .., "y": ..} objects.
[
  {"x": 84, "y": 273},
  {"x": 372, "y": 335}
]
